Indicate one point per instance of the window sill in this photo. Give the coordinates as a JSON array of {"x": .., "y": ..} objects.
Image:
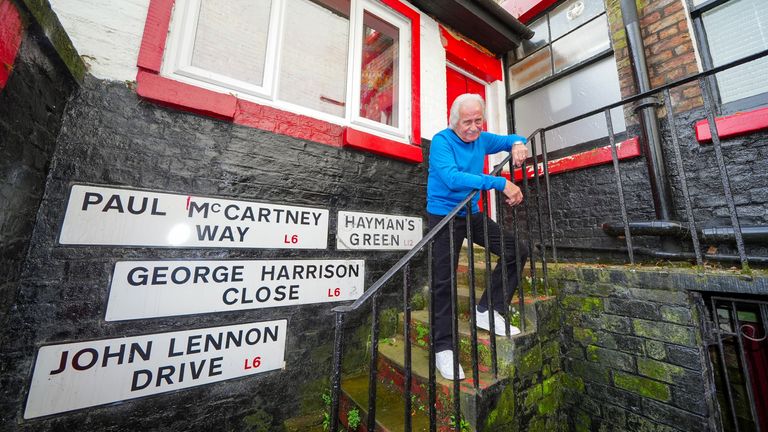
[
  {"x": 738, "y": 124},
  {"x": 602, "y": 155}
]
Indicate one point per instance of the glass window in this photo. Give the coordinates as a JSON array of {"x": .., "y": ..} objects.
[
  {"x": 590, "y": 88},
  {"x": 313, "y": 64},
  {"x": 342, "y": 61},
  {"x": 734, "y": 30},
  {"x": 572, "y": 14},
  {"x": 531, "y": 70},
  {"x": 581, "y": 44},
  {"x": 540, "y": 38},
  {"x": 231, "y": 39},
  {"x": 378, "y": 80}
]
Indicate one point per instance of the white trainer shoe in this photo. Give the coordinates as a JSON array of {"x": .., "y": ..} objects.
[
  {"x": 444, "y": 364},
  {"x": 482, "y": 319}
]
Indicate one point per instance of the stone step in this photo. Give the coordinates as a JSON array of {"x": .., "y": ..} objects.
[
  {"x": 389, "y": 407},
  {"x": 391, "y": 373}
]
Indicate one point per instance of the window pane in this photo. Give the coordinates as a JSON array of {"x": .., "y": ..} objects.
[
  {"x": 572, "y": 14},
  {"x": 378, "y": 81},
  {"x": 533, "y": 69},
  {"x": 231, "y": 38},
  {"x": 582, "y": 91},
  {"x": 734, "y": 30},
  {"x": 539, "y": 39},
  {"x": 582, "y": 44},
  {"x": 313, "y": 66}
]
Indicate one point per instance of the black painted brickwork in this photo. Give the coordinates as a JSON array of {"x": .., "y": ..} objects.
[
  {"x": 31, "y": 106},
  {"x": 112, "y": 137}
]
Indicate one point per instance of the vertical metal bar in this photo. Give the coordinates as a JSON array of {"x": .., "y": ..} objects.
[
  {"x": 518, "y": 263},
  {"x": 721, "y": 351},
  {"x": 615, "y": 157},
  {"x": 338, "y": 346},
  {"x": 537, "y": 185},
  {"x": 532, "y": 258},
  {"x": 489, "y": 290},
  {"x": 503, "y": 263},
  {"x": 549, "y": 195},
  {"x": 407, "y": 338},
  {"x": 683, "y": 181},
  {"x": 431, "y": 390},
  {"x": 706, "y": 95},
  {"x": 373, "y": 365},
  {"x": 454, "y": 326},
  {"x": 472, "y": 298},
  {"x": 745, "y": 366}
]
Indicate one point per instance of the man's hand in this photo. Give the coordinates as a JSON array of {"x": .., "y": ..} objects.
[
  {"x": 513, "y": 194},
  {"x": 519, "y": 154}
]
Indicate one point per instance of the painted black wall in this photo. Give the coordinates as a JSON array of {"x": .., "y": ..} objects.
[
  {"x": 111, "y": 137},
  {"x": 31, "y": 106}
]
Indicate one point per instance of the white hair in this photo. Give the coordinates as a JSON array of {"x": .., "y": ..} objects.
[{"x": 453, "y": 119}]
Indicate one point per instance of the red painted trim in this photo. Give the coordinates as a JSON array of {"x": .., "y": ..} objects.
[
  {"x": 184, "y": 96},
  {"x": 470, "y": 59},
  {"x": 10, "y": 39},
  {"x": 526, "y": 10},
  {"x": 381, "y": 146},
  {"x": 202, "y": 101},
  {"x": 287, "y": 123},
  {"x": 415, "y": 19},
  {"x": 155, "y": 33},
  {"x": 625, "y": 150},
  {"x": 733, "y": 125}
]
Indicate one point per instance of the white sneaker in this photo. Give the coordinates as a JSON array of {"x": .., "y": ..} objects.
[
  {"x": 498, "y": 323},
  {"x": 444, "y": 364}
]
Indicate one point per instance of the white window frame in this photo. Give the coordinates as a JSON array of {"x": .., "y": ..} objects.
[{"x": 178, "y": 54}]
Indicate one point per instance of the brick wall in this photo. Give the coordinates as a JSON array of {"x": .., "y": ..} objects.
[
  {"x": 31, "y": 106},
  {"x": 111, "y": 137}
]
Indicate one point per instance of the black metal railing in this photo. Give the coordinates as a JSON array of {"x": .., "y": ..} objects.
[
  {"x": 740, "y": 353},
  {"x": 372, "y": 296}
]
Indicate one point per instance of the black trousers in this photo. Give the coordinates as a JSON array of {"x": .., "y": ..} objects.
[{"x": 441, "y": 265}]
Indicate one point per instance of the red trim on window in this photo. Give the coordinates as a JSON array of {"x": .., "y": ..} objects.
[
  {"x": 525, "y": 10},
  {"x": 10, "y": 39},
  {"x": 733, "y": 125},
  {"x": 188, "y": 97},
  {"x": 185, "y": 96},
  {"x": 155, "y": 32},
  {"x": 382, "y": 146},
  {"x": 415, "y": 19},
  {"x": 286, "y": 123},
  {"x": 471, "y": 59},
  {"x": 625, "y": 150}
]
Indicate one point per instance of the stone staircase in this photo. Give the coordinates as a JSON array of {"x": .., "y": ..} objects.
[{"x": 475, "y": 405}]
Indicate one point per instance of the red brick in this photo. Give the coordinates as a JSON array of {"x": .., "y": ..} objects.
[
  {"x": 650, "y": 19},
  {"x": 673, "y": 8},
  {"x": 663, "y": 23},
  {"x": 667, "y": 32}
]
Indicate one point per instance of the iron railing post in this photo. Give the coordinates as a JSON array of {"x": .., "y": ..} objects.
[{"x": 338, "y": 346}]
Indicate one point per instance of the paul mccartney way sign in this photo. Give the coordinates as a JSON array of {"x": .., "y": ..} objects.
[
  {"x": 84, "y": 374},
  {"x": 124, "y": 217},
  {"x": 148, "y": 289}
]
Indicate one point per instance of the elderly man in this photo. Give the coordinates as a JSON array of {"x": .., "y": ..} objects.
[{"x": 456, "y": 160}]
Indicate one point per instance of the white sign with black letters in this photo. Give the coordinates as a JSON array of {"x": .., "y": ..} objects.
[
  {"x": 370, "y": 231},
  {"x": 147, "y": 289},
  {"x": 99, "y": 215},
  {"x": 83, "y": 374}
]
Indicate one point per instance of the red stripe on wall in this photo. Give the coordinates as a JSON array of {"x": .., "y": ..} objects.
[
  {"x": 382, "y": 146},
  {"x": 625, "y": 150},
  {"x": 286, "y": 123},
  {"x": 471, "y": 59},
  {"x": 525, "y": 10},
  {"x": 733, "y": 125},
  {"x": 10, "y": 39},
  {"x": 184, "y": 96},
  {"x": 155, "y": 33}
]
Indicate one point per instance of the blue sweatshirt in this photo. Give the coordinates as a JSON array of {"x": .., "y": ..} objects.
[{"x": 456, "y": 169}]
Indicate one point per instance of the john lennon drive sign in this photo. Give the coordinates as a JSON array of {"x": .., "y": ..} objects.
[
  {"x": 99, "y": 215},
  {"x": 147, "y": 289},
  {"x": 83, "y": 374}
]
